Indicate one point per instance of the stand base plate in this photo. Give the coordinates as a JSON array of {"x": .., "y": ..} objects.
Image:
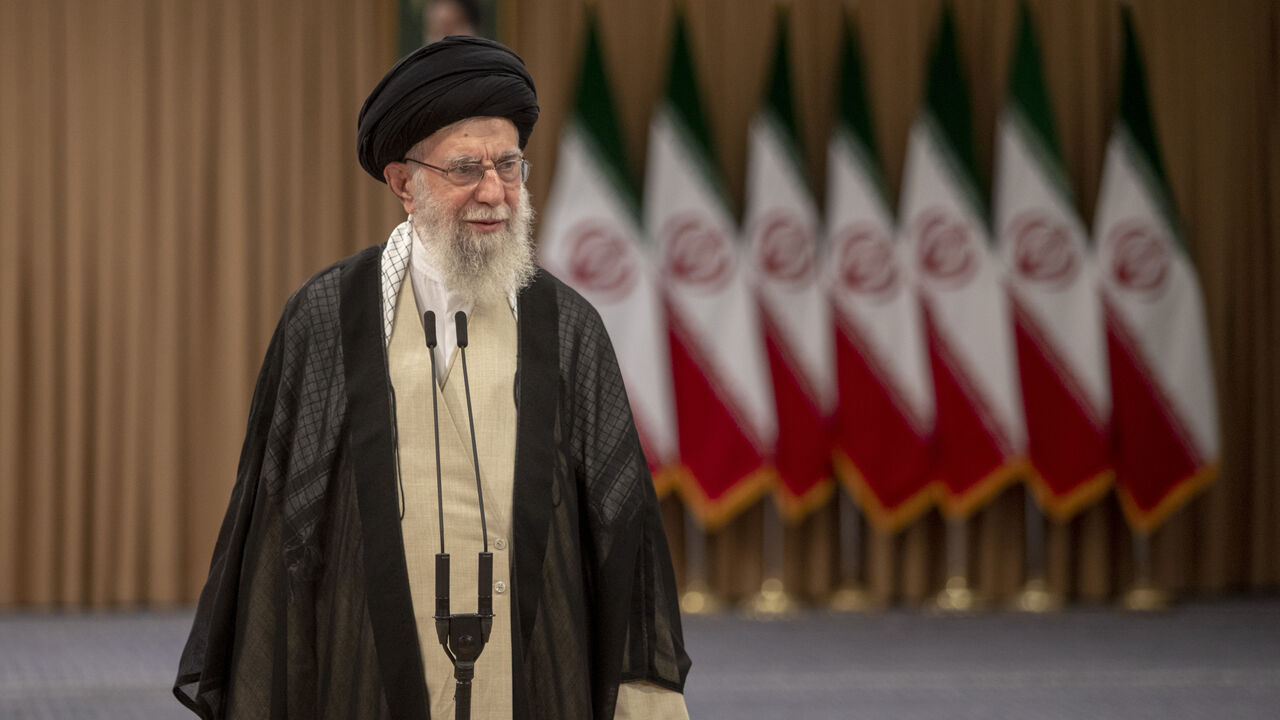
[
  {"x": 772, "y": 602},
  {"x": 853, "y": 598},
  {"x": 957, "y": 597},
  {"x": 1036, "y": 597}
]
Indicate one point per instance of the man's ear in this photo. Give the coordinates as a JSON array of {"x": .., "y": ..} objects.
[{"x": 398, "y": 177}]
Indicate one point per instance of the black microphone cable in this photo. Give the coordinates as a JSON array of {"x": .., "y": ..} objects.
[
  {"x": 442, "y": 558},
  {"x": 460, "y": 319},
  {"x": 464, "y": 635},
  {"x": 484, "y": 601}
]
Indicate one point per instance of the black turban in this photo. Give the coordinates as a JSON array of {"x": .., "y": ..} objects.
[{"x": 439, "y": 84}]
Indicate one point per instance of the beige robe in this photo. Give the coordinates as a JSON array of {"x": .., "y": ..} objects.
[{"x": 491, "y": 361}]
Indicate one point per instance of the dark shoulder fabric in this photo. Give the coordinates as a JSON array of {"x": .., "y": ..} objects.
[
  {"x": 605, "y": 609},
  {"x": 267, "y": 459},
  {"x": 373, "y": 448},
  {"x": 283, "y": 627},
  {"x": 622, "y": 502},
  {"x": 551, "y": 662},
  {"x": 602, "y": 431}
]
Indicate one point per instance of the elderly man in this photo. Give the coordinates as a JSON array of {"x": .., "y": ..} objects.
[{"x": 321, "y": 595}]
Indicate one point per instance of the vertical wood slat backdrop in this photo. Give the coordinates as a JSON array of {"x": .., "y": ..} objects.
[
  {"x": 1213, "y": 75},
  {"x": 169, "y": 172}
]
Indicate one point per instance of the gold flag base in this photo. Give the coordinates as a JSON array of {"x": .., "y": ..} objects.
[
  {"x": 957, "y": 597},
  {"x": 1145, "y": 597},
  {"x": 699, "y": 600},
  {"x": 773, "y": 601},
  {"x": 1036, "y": 597},
  {"x": 852, "y": 597}
]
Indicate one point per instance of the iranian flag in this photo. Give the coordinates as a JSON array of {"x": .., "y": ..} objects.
[
  {"x": 1166, "y": 413},
  {"x": 781, "y": 226},
  {"x": 1053, "y": 283},
  {"x": 980, "y": 431},
  {"x": 591, "y": 239},
  {"x": 886, "y": 414},
  {"x": 724, "y": 399}
]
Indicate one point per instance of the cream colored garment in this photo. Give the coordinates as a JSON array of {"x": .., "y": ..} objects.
[
  {"x": 646, "y": 701},
  {"x": 491, "y": 359},
  {"x": 432, "y": 294}
]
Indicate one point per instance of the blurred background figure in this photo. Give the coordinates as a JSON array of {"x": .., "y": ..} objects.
[{"x": 443, "y": 18}]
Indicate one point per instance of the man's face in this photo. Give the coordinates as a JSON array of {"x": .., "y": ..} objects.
[
  {"x": 487, "y": 141},
  {"x": 476, "y": 235}
]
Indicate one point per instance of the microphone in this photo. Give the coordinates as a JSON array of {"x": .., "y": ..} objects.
[
  {"x": 460, "y": 324},
  {"x": 484, "y": 605},
  {"x": 460, "y": 321},
  {"x": 429, "y": 329},
  {"x": 442, "y": 558},
  {"x": 463, "y": 635}
]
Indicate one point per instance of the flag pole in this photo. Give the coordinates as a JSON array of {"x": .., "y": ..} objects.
[
  {"x": 957, "y": 596},
  {"x": 852, "y": 595},
  {"x": 1143, "y": 595},
  {"x": 697, "y": 598},
  {"x": 772, "y": 601},
  {"x": 1035, "y": 597}
]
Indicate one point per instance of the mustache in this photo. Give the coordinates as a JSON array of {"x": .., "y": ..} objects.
[{"x": 486, "y": 214}]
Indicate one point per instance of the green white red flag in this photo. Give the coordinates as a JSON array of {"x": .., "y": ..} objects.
[
  {"x": 980, "y": 428},
  {"x": 724, "y": 399},
  {"x": 1053, "y": 283},
  {"x": 1166, "y": 414},
  {"x": 885, "y": 416},
  {"x": 591, "y": 239},
  {"x": 782, "y": 230}
]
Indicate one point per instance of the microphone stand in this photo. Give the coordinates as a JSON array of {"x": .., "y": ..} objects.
[{"x": 462, "y": 635}]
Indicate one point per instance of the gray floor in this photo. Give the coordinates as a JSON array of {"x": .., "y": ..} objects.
[{"x": 1201, "y": 660}]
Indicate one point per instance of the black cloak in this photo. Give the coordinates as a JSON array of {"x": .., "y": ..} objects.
[{"x": 307, "y": 613}]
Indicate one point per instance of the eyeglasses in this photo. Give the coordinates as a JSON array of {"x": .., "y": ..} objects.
[{"x": 510, "y": 172}]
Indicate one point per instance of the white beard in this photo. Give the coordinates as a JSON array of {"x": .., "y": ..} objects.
[{"x": 476, "y": 266}]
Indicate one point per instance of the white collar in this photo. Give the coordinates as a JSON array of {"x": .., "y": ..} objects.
[{"x": 431, "y": 293}]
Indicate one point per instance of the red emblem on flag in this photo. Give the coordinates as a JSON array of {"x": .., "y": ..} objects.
[
  {"x": 600, "y": 261},
  {"x": 696, "y": 253},
  {"x": 945, "y": 250},
  {"x": 786, "y": 248},
  {"x": 1139, "y": 258},
  {"x": 867, "y": 265},
  {"x": 1042, "y": 251}
]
